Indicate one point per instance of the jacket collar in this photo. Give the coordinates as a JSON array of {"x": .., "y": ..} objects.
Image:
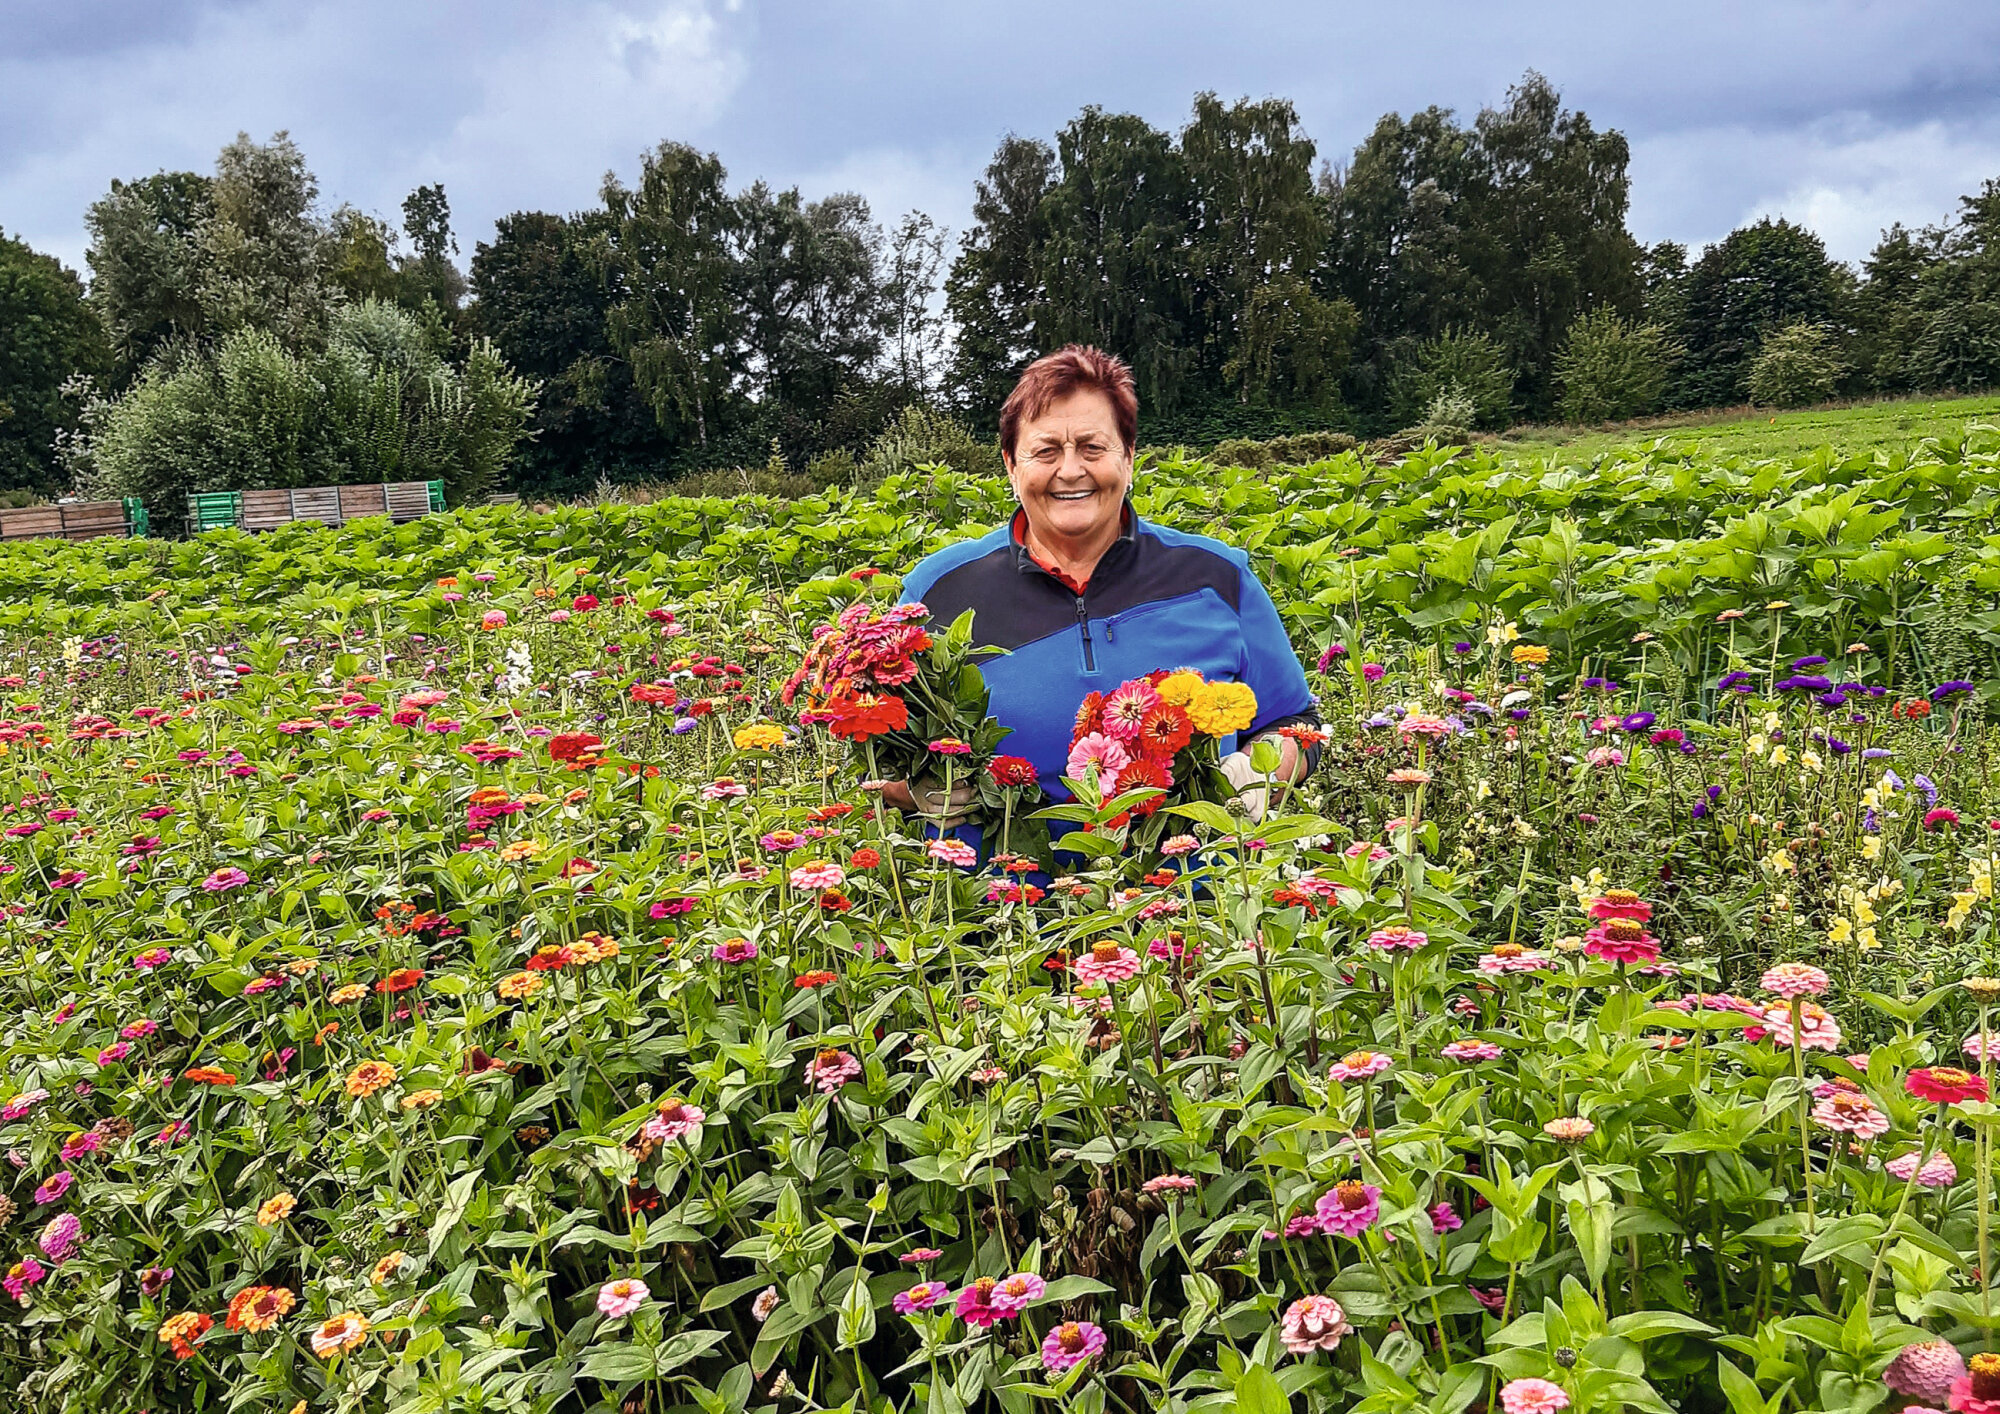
[{"x": 1128, "y": 533}]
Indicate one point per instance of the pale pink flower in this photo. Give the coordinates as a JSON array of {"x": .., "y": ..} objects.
[
  {"x": 1850, "y": 1112},
  {"x": 1170, "y": 1183},
  {"x": 1469, "y": 1050},
  {"x": 955, "y": 852},
  {"x": 1358, "y": 1065},
  {"x": 829, "y": 1070},
  {"x": 1070, "y": 1344},
  {"x": 1397, "y": 935},
  {"x": 1925, "y": 1370},
  {"x": 1106, "y": 753},
  {"x": 1126, "y": 708},
  {"x": 1512, "y": 957},
  {"x": 1180, "y": 844},
  {"x": 1107, "y": 962},
  {"x": 622, "y": 1297},
  {"x": 1313, "y": 1323},
  {"x": 1532, "y": 1396},
  {"x": 1938, "y": 1172},
  {"x": 673, "y": 1120},
  {"x": 818, "y": 874},
  {"x": 1818, "y": 1030},
  {"x": 1795, "y": 979},
  {"x": 1017, "y": 1292},
  {"x": 921, "y": 1297}
]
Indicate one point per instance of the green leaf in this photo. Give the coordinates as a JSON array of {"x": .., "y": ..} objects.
[
  {"x": 1645, "y": 1325},
  {"x": 1258, "y": 1392}
]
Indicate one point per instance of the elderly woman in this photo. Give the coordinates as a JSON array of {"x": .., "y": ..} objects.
[{"x": 1084, "y": 595}]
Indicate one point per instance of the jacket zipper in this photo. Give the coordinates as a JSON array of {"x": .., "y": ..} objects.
[{"x": 1083, "y": 625}]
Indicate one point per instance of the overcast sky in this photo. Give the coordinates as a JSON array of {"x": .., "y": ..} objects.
[{"x": 1845, "y": 116}]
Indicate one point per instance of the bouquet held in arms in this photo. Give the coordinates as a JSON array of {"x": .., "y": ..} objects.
[
  {"x": 1154, "y": 741},
  {"x": 913, "y": 705}
]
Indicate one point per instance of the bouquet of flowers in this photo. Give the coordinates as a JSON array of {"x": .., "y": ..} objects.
[
  {"x": 914, "y": 705},
  {"x": 1160, "y": 732}
]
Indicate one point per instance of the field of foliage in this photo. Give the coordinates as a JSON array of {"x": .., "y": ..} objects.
[{"x": 445, "y": 975}]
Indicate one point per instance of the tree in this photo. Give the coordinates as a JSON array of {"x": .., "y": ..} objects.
[
  {"x": 1456, "y": 365},
  {"x": 914, "y": 342},
  {"x": 1291, "y": 346},
  {"x": 145, "y": 265},
  {"x": 1757, "y": 279},
  {"x": 50, "y": 335},
  {"x": 427, "y": 273},
  {"x": 1796, "y": 364},
  {"x": 673, "y": 314},
  {"x": 264, "y": 252},
  {"x": 812, "y": 316},
  {"x": 1611, "y": 368},
  {"x": 1112, "y": 264},
  {"x": 1254, "y": 222},
  {"x": 994, "y": 287},
  {"x": 541, "y": 292}
]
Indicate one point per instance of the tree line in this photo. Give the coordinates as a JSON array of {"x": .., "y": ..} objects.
[{"x": 1443, "y": 274}]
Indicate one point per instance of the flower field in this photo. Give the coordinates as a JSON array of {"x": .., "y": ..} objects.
[{"x": 447, "y": 974}]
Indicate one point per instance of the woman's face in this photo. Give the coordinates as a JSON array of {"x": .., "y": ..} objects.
[{"x": 1070, "y": 468}]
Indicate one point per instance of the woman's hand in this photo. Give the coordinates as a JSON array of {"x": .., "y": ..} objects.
[
  {"x": 1252, "y": 790},
  {"x": 926, "y": 797}
]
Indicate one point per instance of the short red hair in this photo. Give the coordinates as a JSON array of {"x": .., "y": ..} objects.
[{"x": 1073, "y": 368}]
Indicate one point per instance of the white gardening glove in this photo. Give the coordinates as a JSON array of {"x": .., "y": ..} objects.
[
  {"x": 1251, "y": 791},
  {"x": 939, "y": 809}
]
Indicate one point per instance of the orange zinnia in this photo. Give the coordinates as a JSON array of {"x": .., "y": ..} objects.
[
  {"x": 401, "y": 980},
  {"x": 257, "y": 1308},
  {"x": 338, "y": 1333},
  {"x": 368, "y": 1077},
  {"x": 276, "y": 1210},
  {"x": 208, "y": 1075}
]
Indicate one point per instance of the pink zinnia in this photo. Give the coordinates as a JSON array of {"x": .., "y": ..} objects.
[
  {"x": 224, "y": 879},
  {"x": 1470, "y": 1050},
  {"x": 1107, "y": 962},
  {"x": 1313, "y": 1323},
  {"x": 674, "y": 1120},
  {"x": 1107, "y": 753},
  {"x": 975, "y": 1303},
  {"x": 1619, "y": 903},
  {"x": 1348, "y": 1209},
  {"x": 1070, "y": 1344},
  {"x": 1179, "y": 845},
  {"x": 817, "y": 875},
  {"x": 955, "y": 852},
  {"x": 1532, "y": 1397},
  {"x": 1445, "y": 1218},
  {"x": 920, "y": 1255},
  {"x": 1850, "y": 1112},
  {"x": 1170, "y": 1183},
  {"x": 1358, "y": 1065},
  {"x": 1126, "y": 708},
  {"x": 734, "y": 950},
  {"x": 1925, "y": 1370},
  {"x": 1512, "y": 957},
  {"x": 622, "y": 1297},
  {"x": 22, "y": 1275},
  {"x": 1622, "y": 940},
  {"x": 55, "y": 1186},
  {"x": 921, "y": 1297},
  {"x": 22, "y": 1104},
  {"x": 152, "y": 958},
  {"x": 60, "y": 1237},
  {"x": 1397, "y": 935},
  {"x": 1795, "y": 979},
  {"x": 1016, "y": 1293},
  {"x": 84, "y": 1141},
  {"x": 1938, "y": 1172},
  {"x": 829, "y": 1070},
  {"x": 1818, "y": 1030}
]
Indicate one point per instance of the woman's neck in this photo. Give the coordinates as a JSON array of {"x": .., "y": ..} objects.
[{"x": 1076, "y": 558}]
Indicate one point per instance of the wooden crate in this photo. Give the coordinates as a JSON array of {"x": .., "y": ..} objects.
[
  {"x": 266, "y": 510},
  {"x": 27, "y": 522},
  {"x": 320, "y": 503},
  {"x": 408, "y": 500},
  {"x": 91, "y": 520},
  {"x": 368, "y": 499}
]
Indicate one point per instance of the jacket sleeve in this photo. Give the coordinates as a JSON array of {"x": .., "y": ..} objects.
[{"x": 1270, "y": 667}]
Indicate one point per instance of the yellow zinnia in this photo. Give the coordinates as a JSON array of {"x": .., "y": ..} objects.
[
  {"x": 759, "y": 736},
  {"x": 1178, "y": 689},
  {"x": 1530, "y": 653},
  {"x": 1220, "y": 708}
]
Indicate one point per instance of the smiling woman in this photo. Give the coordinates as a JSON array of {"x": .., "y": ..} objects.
[{"x": 1084, "y": 595}]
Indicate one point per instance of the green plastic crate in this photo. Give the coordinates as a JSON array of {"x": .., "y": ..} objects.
[
  {"x": 208, "y": 510},
  {"x": 437, "y": 497}
]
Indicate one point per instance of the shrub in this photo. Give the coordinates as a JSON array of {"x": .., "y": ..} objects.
[
  {"x": 1242, "y": 451},
  {"x": 1959, "y": 347},
  {"x": 1305, "y": 448},
  {"x": 1610, "y": 368},
  {"x": 1474, "y": 363},
  {"x": 1796, "y": 365},
  {"x": 834, "y": 468},
  {"x": 378, "y": 403},
  {"x": 923, "y": 436}
]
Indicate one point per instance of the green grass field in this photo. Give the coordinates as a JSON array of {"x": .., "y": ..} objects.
[{"x": 1749, "y": 432}]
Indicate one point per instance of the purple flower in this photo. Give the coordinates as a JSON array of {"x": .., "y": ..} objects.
[
  {"x": 1812, "y": 661},
  {"x": 1949, "y": 689},
  {"x": 1637, "y": 722},
  {"x": 1374, "y": 672},
  {"x": 223, "y": 880}
]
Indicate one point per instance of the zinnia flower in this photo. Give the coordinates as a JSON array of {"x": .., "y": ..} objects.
[
  {"x": 1313, "y": 1323},
  {"x": 1016, "y": 1293},
  {"x": 1945, "y": 1085},
  {"x": 921, "y": 1297},
  {"x": 1978, "y": 1390},
  {"x": 975, "y": 1303},
  {"x": 1569, "y": 1129},
  {"x": 1397, "y": 935},
  {"x": 1622, "y": 940},
  {"x": 258, "y": 1308},
  {"x": 1619, "y": 903},
  {"x": 1851, "y": 1113},
  {"x": 1348, "y": 1209},
  {"x": 1358, "y": 1065},
  {"x": 1532, "y": 1396},
  {"x": 1471, "y": 1050},
  {"x": 1938, "y": 1172},
  {"x": 275, "y": 1210},
  {"x": 734, "y": 950},
  {"x": 1925, "y": 1370},
  {"x": 674, "y": 1119},
  {"x": 1070, "y": 1344},
  {"x": 368, "y": 1077},
  {"x": 622, "y": 1297},
  {"x": 1107, "y": 962},
  {"x": 61, "y": 1237},
  {"x": 830, "y": 1069},
  {"x": 1795, "y": 979},
  {"x": 337, "y": 1333}
]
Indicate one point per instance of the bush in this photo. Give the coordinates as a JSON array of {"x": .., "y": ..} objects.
[
  {"x": 1474, "y": 363},
  {"x": 1796, "y": 365},
  {"x": 834, "y": 468},
  {"x": 378, "y": 403},
  {"x": 1959, "y": 347},
  {"x": 1242, "y": 451},
  {"x": 1308, "y": 447},
  {"x": 923, "y": 436},
  {"x": 1610, "y": 368}
]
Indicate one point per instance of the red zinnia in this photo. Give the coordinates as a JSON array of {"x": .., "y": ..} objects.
[
  {"x": 1945, "y": 1084},
  {"x": 864, "y": 858},
  {"x": 1089, "y": 716},
  {"x": 1013, "y": 771},
  {"x": 806, "y": 981},
  {"x": 1165, "y": 731},
  {"x": 401, "y": 980},
  {"x": 1145, "y": 773},
  {"x": 834, "y": 901},
  {"x": 569, "y": 746},
  {"x": 857, "y": 718}
]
